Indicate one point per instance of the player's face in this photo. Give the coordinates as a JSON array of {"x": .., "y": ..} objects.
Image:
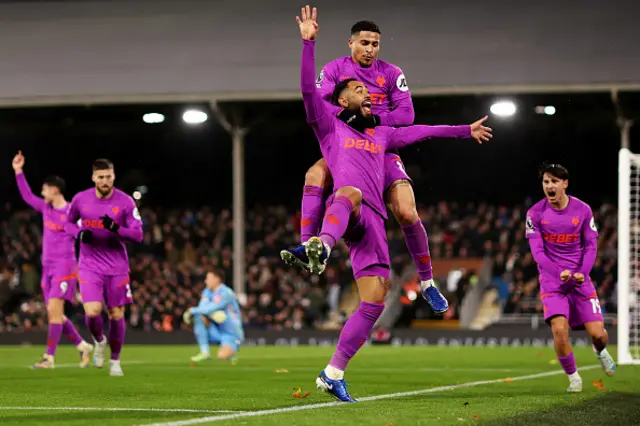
[
  {"x": 104, "y": 181},
  {"x": 212, "y": 281},
  {"x": 553, "y": 187},
  {"x": 356, "y": 98},
  {"x": 49, "y": 193},
  {"x": 364, "y": 47}
]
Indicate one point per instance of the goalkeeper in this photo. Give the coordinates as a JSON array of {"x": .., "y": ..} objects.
[{"x": 216, "y": 319}]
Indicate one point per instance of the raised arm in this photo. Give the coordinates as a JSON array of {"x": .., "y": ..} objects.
[
  {"x": 318, "y": 115},
  {"x": 402, "y": 113},
  {"x": 536, "y": 243},
  {"x": 404, "y": 136},
  {"x": 589, "y": 243},
  {"x": 25, "y": 191}
]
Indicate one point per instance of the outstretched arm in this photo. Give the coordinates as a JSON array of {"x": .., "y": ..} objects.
[{"x": 404, "y": 136}]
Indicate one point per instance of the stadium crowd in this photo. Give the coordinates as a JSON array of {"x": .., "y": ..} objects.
[{"x": 168, "y": 268}]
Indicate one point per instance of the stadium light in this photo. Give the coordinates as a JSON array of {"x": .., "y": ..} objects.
[
  {"x": 503, "y": 108},
  {"x": 137, "y": 195},
  {"x": 153, "y": 118},
  {"x": 193, "y": 116},
  {"x": 548, "y": 110}
]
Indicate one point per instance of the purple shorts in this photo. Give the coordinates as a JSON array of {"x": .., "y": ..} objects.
[
  {"x": 393, "y": 169},
  {"x": 59, "y": 282},
  {"x": 579, "y": 304},
  {"x": 366, "y": 239},
  {"x": 114, "y": 290}
]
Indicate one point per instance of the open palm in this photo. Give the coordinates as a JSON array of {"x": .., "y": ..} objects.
[
  {"x": 308, "y": 25},
  {"x": 479, "y": 132}
]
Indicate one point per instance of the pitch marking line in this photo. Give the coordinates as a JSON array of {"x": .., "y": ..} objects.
[
  {"x": 159, "y": 410},
  {"x": 368, "y": 398}
]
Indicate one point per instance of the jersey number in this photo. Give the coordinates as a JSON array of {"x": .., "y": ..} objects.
[
  {"x": 129, "y": 294},
  {"x": 595, "y": 304}
]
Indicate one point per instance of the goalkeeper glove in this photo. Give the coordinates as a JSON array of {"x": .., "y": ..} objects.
[
  {"x": 85, "y": 236},
  {"x": 109, "y": 224},
  {"x": 187, "y": 316},
  {"x": 358, "y": 121}
]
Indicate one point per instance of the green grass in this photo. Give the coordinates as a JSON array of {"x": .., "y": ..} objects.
[{"x": 161, "y": 377}]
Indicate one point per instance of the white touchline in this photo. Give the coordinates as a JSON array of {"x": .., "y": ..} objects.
[
  {"x": 368, "y": 398},
  {"x": 161, "y": 410}
]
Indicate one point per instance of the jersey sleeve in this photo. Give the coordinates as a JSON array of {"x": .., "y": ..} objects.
[
  {"x": 220, "y": 301},
  {"x": 405, "y": 136},
  {"x": 402, "y": 112},
  {"x": 589, "y": 235},
  {"x": 131, "y": 229},
  {"x": 326, "y": 81},
  {"x": 536, "y": 244},
  {"x": 319, "y": 116},
  {"x": 71, "y": 225},
  {"x": 27, "y": 195}
]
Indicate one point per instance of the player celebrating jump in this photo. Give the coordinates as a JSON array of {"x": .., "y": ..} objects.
[
  {"x": 563, "y": 239},
  {"x": 109, "y": 218},
  {"x": 58, "y": 263},
  {"x": 391, "y": 105},
  {"x": 355, "y": 157}
]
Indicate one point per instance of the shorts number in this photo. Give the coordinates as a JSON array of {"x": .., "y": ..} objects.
[
  {"x": 595, "y": 304},
  {"x": 129, "y": 294},
  {"x": 401, "y": 166}
]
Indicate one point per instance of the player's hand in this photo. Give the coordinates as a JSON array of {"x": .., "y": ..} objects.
[
  {"x": 187, "y": 316},
  {"x": 578, "y": 277},
  {"x": 85, "y": 236},
  {"x": 565, "y": 275},
  {"x": 479, "y": 132},
  {"x": 18, "y": 162},
  {"x": 308, "y": 25},
  {"x": 109, "y": 224}
]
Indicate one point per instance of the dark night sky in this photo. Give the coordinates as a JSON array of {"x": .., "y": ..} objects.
[{"x": 186, "y": 165}]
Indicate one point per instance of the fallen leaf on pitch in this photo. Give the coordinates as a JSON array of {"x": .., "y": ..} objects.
[
  {"x": 508, "y": 380},
  {"x": 476, "y": 417},
  {"x": 540, "y": 353},
  {"x": 598, "y": 384},
  {"x": 298, "y": 394},
  {"x": 281, "y": 371},
  {"x": 553, "y": 362},
  {"x": 193, "y": 364}
]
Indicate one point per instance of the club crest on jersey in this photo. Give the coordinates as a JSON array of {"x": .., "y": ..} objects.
[
  {"x": 370, "y": 132},
  {"x": 63, "y": 217},
  {"x": 381, "y": 80},
  {"x": 217, "y": 298},
  {"x": 575, "y": 221},
  {"x": 115, "y": 210},
  {"x": 401, "y": 83}
]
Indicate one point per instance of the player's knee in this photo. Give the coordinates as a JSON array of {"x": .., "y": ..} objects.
[
  {"x": 599, "y": 335},
  {"x": 352, "y": 193},
  {"x": 93, "y": 309},
  {"x": 318, "y": 175},
  {"x": 560, "y": 330},
  {"x": 55, "y": 311},
  {"x": 116, "y": 313},
  {"x": 225, "y": 352}
]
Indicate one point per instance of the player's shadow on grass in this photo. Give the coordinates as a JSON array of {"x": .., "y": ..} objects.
[{"x": 608, "y": 408}]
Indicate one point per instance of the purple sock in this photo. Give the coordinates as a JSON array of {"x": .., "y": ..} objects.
[
  {"x": 116, "y": 337},
  {"x": 418, "y": 244},
  {"x": 95, "y": 326},
  {"x": 55, "y": 330},
  {"x": 312, "y": 211},
  {"x": 568, "y": 363},
  {"x": 355, "y": 333},
  {"x": 336, "y": 220},
  {"x": 71, "y": 332}
]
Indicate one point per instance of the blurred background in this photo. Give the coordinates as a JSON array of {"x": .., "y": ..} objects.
[{"x": 198, "y": 107}]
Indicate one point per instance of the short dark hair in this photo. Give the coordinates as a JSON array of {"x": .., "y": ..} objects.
[
  {"x": 365, "y": 26},
  {"x": 554, "y": 169},
  {"x": 340, "y": 87},
  {"x": 218, "y": 272},
  {"x": 55, "y": 181},
  {"x": 102, "y": 164}
]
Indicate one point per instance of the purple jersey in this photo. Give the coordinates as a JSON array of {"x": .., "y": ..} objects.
[
  {"x": 561, "y": 240},
  {"x": 390, "y": 96},
  {"x": 57, "y": 245},
  {"x": 354, "y": 158},
  {"x": 106, "y": 254}
]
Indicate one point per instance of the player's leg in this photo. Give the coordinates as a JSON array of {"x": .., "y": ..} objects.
[
  {"x": 344, "y": 206},
  {"x": 586, "y": 314},
  {"x": 67, "y": 279},
  {"x": 556, "y": 314},
  {"x": 47, "y": 359},
  {"x": 370, "y": 261},
  {"x": 118, "y": 294},
  {"x": 317, "y": 180},
  {"x": 201, "y": 331},
  {"x": 402, "y": 202},
  {"x": 92, "y": 294}
]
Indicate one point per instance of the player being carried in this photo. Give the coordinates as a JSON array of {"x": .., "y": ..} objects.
[
  {"x": 563, "y": 238},
  {"x": 108, "y": 218},
  {"x": 216, "y": 319},
  {"x": 356, "y": 212},
  {"x": 58, "y": 263},
  {"x": 391, "y": 105}
]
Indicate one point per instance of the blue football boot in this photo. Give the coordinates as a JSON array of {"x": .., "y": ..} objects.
[
  {"x": 317, "y": 253},
  {"x": 433, "y": 296},
  {"x": 335, "y": 388},
  {"x": 296, "y": 257}
]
